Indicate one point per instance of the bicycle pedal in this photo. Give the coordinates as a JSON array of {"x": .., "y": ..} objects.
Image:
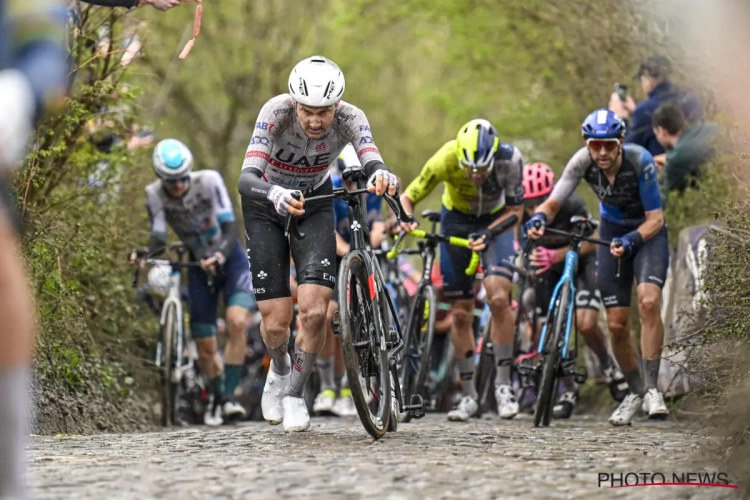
[
  {"x": 580, "y": 375},
  {"x": 336, "y": 323},
  {"x": 416, "y": 408}
]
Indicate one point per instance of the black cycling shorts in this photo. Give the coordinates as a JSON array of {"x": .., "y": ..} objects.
[
  {"x": 497, "y": 257},
  {"x": 268, "y": 250},
  {"x": 587, "y": 296},
  {"x": 648, "y": 265}
]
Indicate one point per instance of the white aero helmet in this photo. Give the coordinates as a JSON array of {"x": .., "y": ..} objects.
[
  {"x": 172, "y": 160},
  {"x": 158, "y": 278},
  {"x": 317, "y": 82}
]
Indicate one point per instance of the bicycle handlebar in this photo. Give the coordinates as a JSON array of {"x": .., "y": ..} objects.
[
  {"x": 452, "y": 240},
  {"x": 538, "y": 225},
  {"x": 172, "y": 264}
]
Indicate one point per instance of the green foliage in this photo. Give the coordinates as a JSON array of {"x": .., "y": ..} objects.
[{"x": 77, "y": 204}]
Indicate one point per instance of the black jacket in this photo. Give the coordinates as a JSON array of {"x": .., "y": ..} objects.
[{"x": 114, "y": 3}]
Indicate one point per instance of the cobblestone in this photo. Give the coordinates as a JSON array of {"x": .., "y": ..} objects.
[{"x": 431, "y": 458}]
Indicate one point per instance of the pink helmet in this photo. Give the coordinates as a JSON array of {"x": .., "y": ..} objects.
[{"x": 538, "y": 180}]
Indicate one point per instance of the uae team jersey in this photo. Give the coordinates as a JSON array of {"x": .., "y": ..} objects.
[{"x": 286, "y": 157}]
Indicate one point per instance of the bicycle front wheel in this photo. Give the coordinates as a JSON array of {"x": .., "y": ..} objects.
[
  {"x": 415, "y": 362},
  {"x": 551, "y": 359},
  {"x": 169, "y": 360},
  {"x": 364, "y": 342}
]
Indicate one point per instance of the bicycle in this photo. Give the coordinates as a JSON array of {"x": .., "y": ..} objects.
[
  {"x": 367, "y": 320},
  {"x": 525, "y": 315},
  {"x": 169, "y": 349},
  {"x": 557, "y": 360}
]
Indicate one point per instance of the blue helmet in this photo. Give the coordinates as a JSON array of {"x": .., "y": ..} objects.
[
  {"x": 603, "y": 124},
  {"x": 172, "y": 159}
]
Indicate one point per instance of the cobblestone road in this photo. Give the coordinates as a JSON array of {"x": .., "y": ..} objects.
[{"x": 431, "y": 458}]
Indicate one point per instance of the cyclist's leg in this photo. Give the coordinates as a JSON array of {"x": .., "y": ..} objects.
[
  {"x": 615, "y": 292},
  {"x": 325, "y": 364},
  {"x": 377, "y": 234},
  {"x": 238, "y": 286},
  {"x": 203, "y": 304},
  {"x": 17, "y": 339},
  {"x": 315, "y": 261},
  {"x": 650, "y": 269},
  {"x": 459, "y": 290},
  {"x": 268, "y": 257}
]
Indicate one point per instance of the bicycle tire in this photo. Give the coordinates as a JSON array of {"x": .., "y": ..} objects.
[
  {"x": 355, "y": 303},
  {"x": 168, "y": 388},
  {"x": 551, "y": 362},
  {"x": 485, "y": 369},
  {"x": 415, "y": 367}
]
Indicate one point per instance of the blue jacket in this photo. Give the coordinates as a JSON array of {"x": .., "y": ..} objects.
[{"x": 640, "y": 130}]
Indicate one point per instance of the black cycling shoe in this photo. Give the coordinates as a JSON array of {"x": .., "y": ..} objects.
[
  {"x": 565, "y": 405},
  {"x": 618, "y": 386}
]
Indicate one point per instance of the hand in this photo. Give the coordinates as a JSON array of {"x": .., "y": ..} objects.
[
  {"x": 626, "y": 245},
  {"x": 623, "y": 109},
  {"x": 135, "y": 257},
  {"x": 162, "y": 5},
  {"x": 284, "y": 202},
  {"x": 661, "y": 162},
  {"x": 380, "y": 181},
  {"x": 478, "y": 241},
  {"x": 516, "y": 246},
  {"x": 409, "y": 227},
  {"x": 543, "y": 259},
  {"x": 211, "y": 263},
  {"x": 530, "y": 227}
]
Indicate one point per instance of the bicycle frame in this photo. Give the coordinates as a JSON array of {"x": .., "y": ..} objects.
[{"x": 567, "y": 279}]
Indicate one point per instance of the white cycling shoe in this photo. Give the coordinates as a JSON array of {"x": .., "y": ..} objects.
[
  {"x": 324, "y": 402},
  {"x": 466, "y": 409},
  {"x": 273, "y": 392},
  {"x": 507, "y": 404},
  {"x": 296, "y": 418},
  {"x": 233, "y": 410},
  {"x": 344, "y": 405},
  {"x": 653, "y": 405},
  {"x": 627, "y": 410},
  {"x": 212, "y": 417}
]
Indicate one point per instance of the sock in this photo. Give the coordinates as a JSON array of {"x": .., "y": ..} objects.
[
  {"x": 280, "y": 359},
  {"x": 652, "y": 373},
  {"x": 340, "y": 380},
  {"x": 304, "y": 363},
  {"x": 232, "y": 378},
  {"x": 466, "y": 372},
  {"x": 503, "y": 359},
  {"x": 325, "y": 367},
  {"x": 635, "y": 383},
  {"x": 13, "y": 422},
  {"x": 569, "y": 385},
  {"x": 216, "y": 385}
]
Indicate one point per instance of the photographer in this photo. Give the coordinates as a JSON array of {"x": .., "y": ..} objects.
[{"x": 653, "y": 74}]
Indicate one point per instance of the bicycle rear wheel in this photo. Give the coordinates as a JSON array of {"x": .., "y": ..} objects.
[
  {"x": 415, "y": 361},
  {"x": 551, "y": 359},
  {"x": 486, "y": 368},
  {"x": 169, "y": 359},
  {"x": 364, "y": 342}
]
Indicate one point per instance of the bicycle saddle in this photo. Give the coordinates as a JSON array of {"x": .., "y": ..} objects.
[
  {"x": 580, "y": 220},
  {"x": 431, "y": 215}
]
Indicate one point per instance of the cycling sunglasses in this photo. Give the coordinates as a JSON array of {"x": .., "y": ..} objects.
[
  {"x": 609, "y": 145},
  {"x": 174, "y": 182}
]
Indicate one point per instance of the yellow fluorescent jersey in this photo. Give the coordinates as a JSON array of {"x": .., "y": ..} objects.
[{"x": 502, "y": 187}]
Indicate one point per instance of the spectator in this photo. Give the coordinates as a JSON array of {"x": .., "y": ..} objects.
[
  {"x": 688, "y": 147},
  {"x": 131, "y": 4},
  {"x": 654, "y": 75}
]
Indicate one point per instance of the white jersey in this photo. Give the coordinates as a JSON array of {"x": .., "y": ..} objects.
[
  {"x": 197, "y": 216},
  {"x": 286, "y": 157}
]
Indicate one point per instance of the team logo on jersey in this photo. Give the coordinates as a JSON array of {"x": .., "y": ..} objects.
[{"x": 320, "y": 147}]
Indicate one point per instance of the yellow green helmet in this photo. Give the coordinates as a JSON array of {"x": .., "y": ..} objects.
[{"x": 476, "y": 145}]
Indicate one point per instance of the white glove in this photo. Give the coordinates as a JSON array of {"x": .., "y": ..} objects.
[
  {"x": 17, "y": 105},
  {"x": 385, "y": 174},
  {"x": 280, "y": 197}
]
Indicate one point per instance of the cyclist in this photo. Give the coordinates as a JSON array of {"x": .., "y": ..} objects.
[
  {"x": 197, "y": 207},
  {"x": 297, "y": 137},
  {"x": 33, "y": 74},
  {"x": 327, "y": 400},
  {"x": 624, "y": 178},
  {"x": 483, "y": 186},
  {"x": 549, "y": 260}
]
